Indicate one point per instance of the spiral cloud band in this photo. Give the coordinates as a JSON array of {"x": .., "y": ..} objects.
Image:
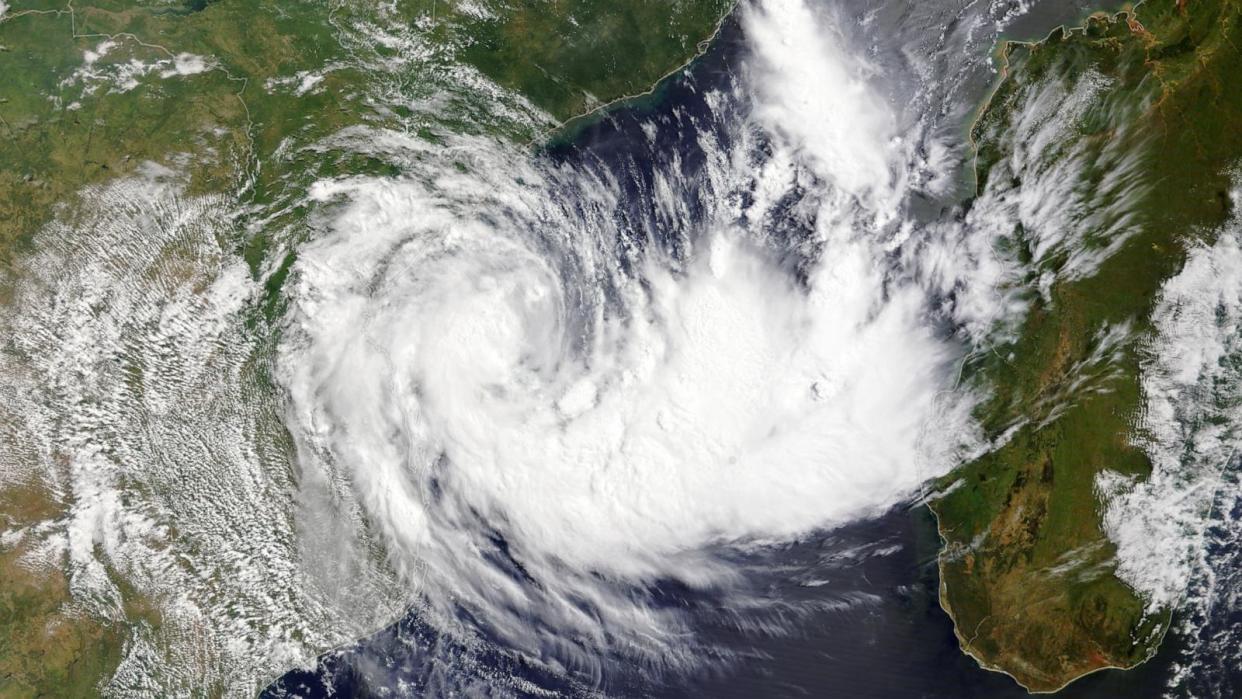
[{"x": 538, "y": 405}]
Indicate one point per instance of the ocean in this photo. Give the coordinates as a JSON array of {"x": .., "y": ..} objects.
[{"x": 848, "y": 612}]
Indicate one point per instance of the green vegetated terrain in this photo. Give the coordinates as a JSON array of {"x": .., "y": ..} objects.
[
  {"x": 218, "y": 90},
  {"x": 571, "y": 56},
  {"x": 1027, "y": 572}
]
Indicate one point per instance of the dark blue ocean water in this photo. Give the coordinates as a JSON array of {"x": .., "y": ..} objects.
[
  {"x": 878, "y": 629},
  {"x": 889, "y": 639}
]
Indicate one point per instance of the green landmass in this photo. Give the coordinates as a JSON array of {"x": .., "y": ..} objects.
[
  {"x": 573, "y": 56},
  {"x": 46, "y": 647},
  {"x": 1027, "y": 573},
  {"x": 276, "y": 79}
]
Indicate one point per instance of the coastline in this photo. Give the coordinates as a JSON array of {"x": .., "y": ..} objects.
[
  {"x": 1001, "y": 54},
  {"x": 568, "y": 129}
]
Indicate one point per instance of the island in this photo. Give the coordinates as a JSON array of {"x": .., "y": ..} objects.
[{"x": 1028, "y": 572}]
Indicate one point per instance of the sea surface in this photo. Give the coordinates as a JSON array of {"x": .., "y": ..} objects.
[
  {"x": 882, "y": 634},
  {"x": 877, "y": 629}
]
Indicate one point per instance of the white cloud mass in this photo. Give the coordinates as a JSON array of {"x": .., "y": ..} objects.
[{"x": 472, "y": 357}]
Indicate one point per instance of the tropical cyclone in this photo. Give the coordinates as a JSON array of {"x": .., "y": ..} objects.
[
  {"x": 542, "y": 406},
  {"x": 152, "y": 160}
]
